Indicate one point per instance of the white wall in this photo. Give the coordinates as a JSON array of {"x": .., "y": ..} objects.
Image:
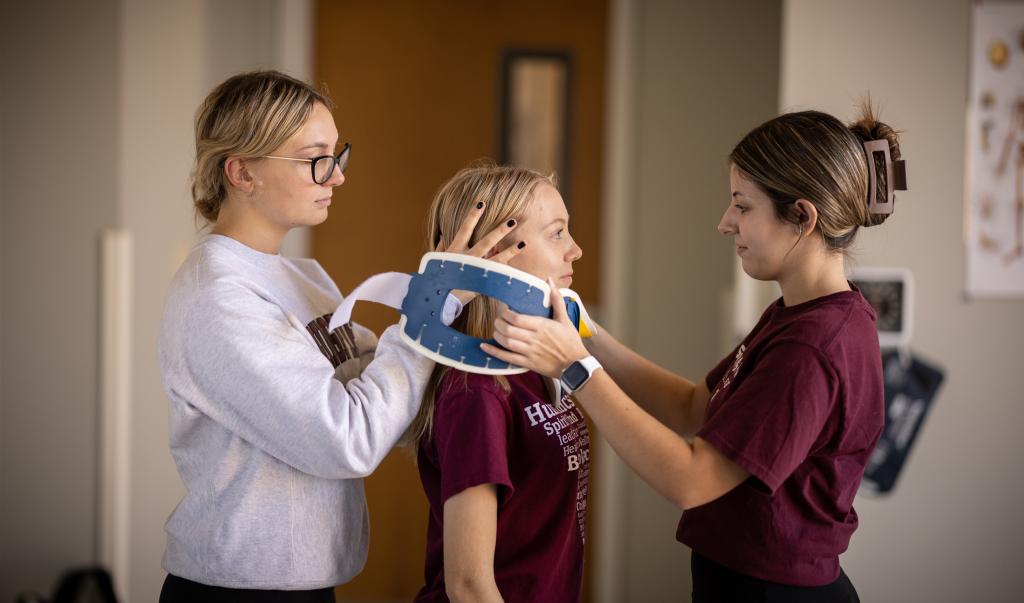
[
  {"x": 96, "y": 127},
  {"x": 699, "y": 76},
  {"x": 159, "y": 91},
  {"x": 58, "y": 189},
  {"x": 172, "y": 54},
  {"x": 951, "y": 530}
]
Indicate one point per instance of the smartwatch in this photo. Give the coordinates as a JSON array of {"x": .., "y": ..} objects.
[{"x": 578, "y": 373}]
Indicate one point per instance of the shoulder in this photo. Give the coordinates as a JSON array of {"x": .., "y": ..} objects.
[
  {"x": 828, "y": 323},
  {"x": 467, "y": 399},
  {"x": 212, "y": 286},
  {"x": 311, "y": 269},
  {"x": 210, "y": 265},
  {"x": 457, "y": 384}
]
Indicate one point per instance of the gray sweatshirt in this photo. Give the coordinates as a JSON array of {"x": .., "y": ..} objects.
[{"x": 273, "y": 420}]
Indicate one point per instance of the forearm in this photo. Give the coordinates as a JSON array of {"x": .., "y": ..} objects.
[
  {"x": 655, "y": 452},
  {"x": 665, "y": 395},
  {"x": 686, "y": 474}
]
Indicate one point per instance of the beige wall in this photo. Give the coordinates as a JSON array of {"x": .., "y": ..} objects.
[
  {"x": 951, "y": 530},
  {"x": 694, "y": 78},
  {"x": 172, "y": 54},
  {"x": 701, "y": 75},
  {"x": 58, "y": 189},
  {"x": 110, "y": 88}
]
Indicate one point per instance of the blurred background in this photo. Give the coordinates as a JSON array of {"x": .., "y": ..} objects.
[{"x": 635, "y": 103}]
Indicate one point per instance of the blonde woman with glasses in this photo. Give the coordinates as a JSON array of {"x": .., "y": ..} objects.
[{"x": 274, "y": 420}]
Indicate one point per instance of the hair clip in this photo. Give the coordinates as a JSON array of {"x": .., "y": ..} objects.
[{"x": 885, "y": 177}]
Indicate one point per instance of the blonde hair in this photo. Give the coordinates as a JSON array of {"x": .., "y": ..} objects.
[
  {"x": 507, "y": 192},
  {"x": 248, "y": 115},
  {"x": 812, "y": 155}
]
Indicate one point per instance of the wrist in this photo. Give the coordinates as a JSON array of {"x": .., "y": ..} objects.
[{"x": 578, "y": 373}]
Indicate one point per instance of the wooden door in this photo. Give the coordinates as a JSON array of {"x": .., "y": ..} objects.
[{"x": 418, "y": 89}]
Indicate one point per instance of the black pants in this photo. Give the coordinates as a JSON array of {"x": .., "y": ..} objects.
[
  {"x": 180, "y": 590},
  {"x": 713, "y": 583}
]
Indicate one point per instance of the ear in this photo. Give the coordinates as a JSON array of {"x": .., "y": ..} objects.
[
  {"x": 238, "y": 174},
  {"x": 807, "y": 215}
]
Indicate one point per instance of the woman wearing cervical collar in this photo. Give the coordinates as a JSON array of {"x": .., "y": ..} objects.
[
  {"x": 504, "y": 466},
  {"x": 765, "y": 454},
  {"x": 274, "y": 420}
]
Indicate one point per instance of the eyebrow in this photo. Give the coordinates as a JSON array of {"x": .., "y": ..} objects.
[
  {"x": 316, "y": 145},
  {"x": 738, "y": 194},
  {"x": 555, "y": 221}
]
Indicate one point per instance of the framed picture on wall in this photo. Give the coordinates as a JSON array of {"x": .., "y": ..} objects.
[
  {"x": 536, "y": 111},
  {"x": 994, "y": 196}
]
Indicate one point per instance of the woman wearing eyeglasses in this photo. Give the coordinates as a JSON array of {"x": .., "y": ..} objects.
[{"x": 273, "y": 419}]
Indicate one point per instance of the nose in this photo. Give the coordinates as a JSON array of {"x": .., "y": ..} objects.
[
  {"x": 575, "y": 252},
  {"x": 725, "y": 225},
  {"x": 337, "y": 177}
]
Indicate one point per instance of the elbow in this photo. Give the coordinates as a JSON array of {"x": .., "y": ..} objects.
[
  {"x": 686, "y": 498},
  {"x": 464, "y": 588},
  {"x": 355, "y": 467},
  {"x": 471, "y": 584},
  {"x": 345, "y": 463},
  {"x": 694, "y": 497}
]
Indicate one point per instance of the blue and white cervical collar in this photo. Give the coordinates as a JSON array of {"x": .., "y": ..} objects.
[{"x": 421, "y": 297}]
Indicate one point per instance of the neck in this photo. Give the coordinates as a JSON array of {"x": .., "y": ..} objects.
[
  {"x": 248, "y": 228},
  {"x": 818, "y": 276}
]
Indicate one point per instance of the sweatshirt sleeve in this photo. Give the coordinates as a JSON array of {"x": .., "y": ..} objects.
[
  {"x": 250, "y": 368},
  {"x": 366, "y": 341}
]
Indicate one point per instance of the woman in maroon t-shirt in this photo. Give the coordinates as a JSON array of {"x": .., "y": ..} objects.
[
  {"x": 766, "y": 453},
  {"x": 504, "y": 465}
]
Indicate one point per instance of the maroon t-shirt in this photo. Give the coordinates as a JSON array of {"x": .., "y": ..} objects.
[
  {"x": 537, "y": 454},
  {"x": 799, "y": 405}
]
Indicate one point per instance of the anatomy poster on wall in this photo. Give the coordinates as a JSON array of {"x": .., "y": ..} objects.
[{"x": 994, "y": 199}]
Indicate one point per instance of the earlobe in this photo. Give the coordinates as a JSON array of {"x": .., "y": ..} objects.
[
  {"x": 238, "y": 174},
  {"x": 807, "y": 214}
]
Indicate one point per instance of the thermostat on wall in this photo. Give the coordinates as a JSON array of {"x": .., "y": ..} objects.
[{"x": 890, "y": 291}]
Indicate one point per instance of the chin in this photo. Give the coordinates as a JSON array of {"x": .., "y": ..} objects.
[
  {"x": 757, "y": 272},
  {"x": 316, "y": 220}
]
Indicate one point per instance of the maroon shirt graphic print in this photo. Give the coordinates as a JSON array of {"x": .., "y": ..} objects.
[{"x": 537, "y": 454}]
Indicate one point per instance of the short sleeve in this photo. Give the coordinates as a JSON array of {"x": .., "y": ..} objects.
[
  {"x": 715, "y": 375},
  {"x": 470, "y": 433},
  {"x": 772, "y": 418}
]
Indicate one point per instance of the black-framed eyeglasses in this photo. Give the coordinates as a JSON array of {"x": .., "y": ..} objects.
[{"x": 322, "y": 167}]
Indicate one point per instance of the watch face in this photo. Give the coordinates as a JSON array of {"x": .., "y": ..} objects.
[{"x": 575, "y": 375}]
